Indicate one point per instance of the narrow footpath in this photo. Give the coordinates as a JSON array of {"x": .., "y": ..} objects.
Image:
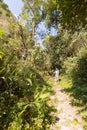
[{"x": 67, "y": 116}]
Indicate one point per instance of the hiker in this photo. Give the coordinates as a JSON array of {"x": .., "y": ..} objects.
[{"x": 56, "y": 74}]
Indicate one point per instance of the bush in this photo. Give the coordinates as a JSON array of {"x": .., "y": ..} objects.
[
  {"x": 69, "y": 65},
  {"x": 80, "y": 75}
]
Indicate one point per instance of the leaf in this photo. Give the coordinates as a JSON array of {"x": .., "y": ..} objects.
[
  {"x": 29, "y": 81},
  {"x": 45, "y": 95},
  {"x": 2, "y": 70},
  {"x": 42, "y": 96},
  {"x": 1, "y": 33},
  {"x": 1, "y": 55},
  {"x": 23, "y": 110}
]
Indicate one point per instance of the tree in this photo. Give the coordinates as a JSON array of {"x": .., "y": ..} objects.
[
  {"x": 56, "y": 49},
  {"x": 72, "y": 15},
  {"x": 31, "y": 13}
]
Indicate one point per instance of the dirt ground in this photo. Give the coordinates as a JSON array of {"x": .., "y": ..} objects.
[{"x": 67, "y": 116}]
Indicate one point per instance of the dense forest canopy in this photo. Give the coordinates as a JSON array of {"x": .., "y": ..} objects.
[
  {"x": 25, "y": 67},
  {"x": 69, "y": 14}
]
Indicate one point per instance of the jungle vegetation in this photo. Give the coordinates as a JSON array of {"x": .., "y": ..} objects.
[{"x": 26, "y": 67}]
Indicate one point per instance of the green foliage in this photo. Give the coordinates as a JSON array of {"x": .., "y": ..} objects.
[
  {"x": 56, "y": 49},
  {"x": 23, "y": 92},
  {"x": 31, "y": 14},
  {"x": 23, "y": 63},
  {"x": 0, "y": 13},
  {"x": 69, "y": 64},
  {"x": 8, "y": 14},
  {"x": 51, "y": 13},
  {"x": 75, "y": 68},
  {"x": 81, "y": 73},
  {"x": 4, "y": 6},
  {"x": 27, "y": 96},
  {"x": 1, "y": 0},
  {"x": 72, "y": 15},
  {"x": 1, "y": 33},
  {"x": 77, "y": 61},
  {"x": 38, "y": 58}
]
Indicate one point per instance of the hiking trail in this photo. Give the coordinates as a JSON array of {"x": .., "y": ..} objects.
[{"x": 67, "y": 118}]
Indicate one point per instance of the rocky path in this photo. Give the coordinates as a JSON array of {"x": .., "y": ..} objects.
[{"x": 67, "y": 116}]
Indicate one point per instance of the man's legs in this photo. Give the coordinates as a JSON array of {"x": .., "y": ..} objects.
[{"x": 56, "y": 78}]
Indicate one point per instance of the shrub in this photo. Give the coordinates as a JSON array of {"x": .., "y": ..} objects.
[{"x": 80, "y": 75}]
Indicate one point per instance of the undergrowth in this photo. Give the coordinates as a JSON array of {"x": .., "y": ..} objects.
[{"x": 78, "y": 95}]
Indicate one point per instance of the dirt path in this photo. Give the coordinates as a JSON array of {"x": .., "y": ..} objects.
[{"x": 67, "y": 117}]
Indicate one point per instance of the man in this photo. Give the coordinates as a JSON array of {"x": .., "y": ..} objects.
[{"x": 56, "y": 74}]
